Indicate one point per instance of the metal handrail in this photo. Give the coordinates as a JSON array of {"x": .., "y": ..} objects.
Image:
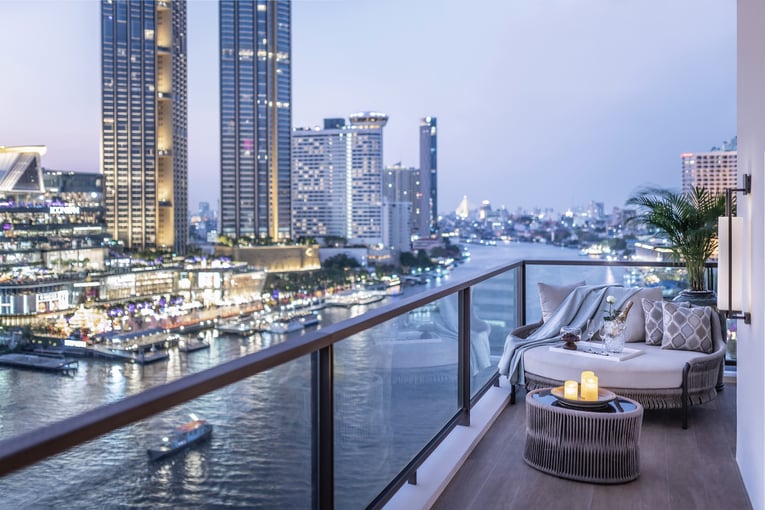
[{"x": 30, "y": 447}]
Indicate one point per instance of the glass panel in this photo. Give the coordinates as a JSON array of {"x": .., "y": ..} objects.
[
  {"x": 671, "y": 279},
  {"x": 395, "y": 388},
  {"x": 495, "y": 314},
  {"x": 259, "y": 454}
]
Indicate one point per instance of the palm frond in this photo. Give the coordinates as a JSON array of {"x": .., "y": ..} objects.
[{"x": 689, "y": 220}]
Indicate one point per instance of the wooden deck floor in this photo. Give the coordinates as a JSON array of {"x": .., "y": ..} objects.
[{"x": 680, "y": 469}]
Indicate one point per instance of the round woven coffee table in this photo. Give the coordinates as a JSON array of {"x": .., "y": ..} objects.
[{"x": 598, "y": 445}]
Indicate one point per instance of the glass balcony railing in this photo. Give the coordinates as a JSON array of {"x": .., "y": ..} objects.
[{"x": 340, "y": 417}]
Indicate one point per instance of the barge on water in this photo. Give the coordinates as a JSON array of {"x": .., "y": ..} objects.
[
  {"x": 46, "y": 363},
  {"x": 185, "y": 435}
]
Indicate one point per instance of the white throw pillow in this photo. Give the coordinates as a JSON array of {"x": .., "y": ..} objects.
[{"x": 551, "y": 296}]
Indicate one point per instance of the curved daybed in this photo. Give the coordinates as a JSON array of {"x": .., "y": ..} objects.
[{"x": 660, "y": 378}]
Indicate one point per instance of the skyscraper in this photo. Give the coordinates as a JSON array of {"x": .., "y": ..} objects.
[
  {"x": 337, "y": 179},
  {"x": 426, "y": 215},
  {"x": 366, "y": 176},
  {"x": 143, "y": 139},
  {"x": 255, "y": 116}
]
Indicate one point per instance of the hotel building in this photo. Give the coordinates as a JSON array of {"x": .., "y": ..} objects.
[
  {"x": 144, "y": 127},
  {"x": 715, "y": 171},
  {"x": 337, "y": 179},
  {"x": 255, "y": 118}
]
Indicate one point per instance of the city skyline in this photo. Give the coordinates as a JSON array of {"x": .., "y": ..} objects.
[{"x": 613, "y": 99}]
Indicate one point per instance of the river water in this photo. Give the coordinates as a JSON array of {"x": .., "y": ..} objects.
[{"x": 260, "y": 453}]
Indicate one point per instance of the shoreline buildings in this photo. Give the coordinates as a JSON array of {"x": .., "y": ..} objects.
[
  {"x": 144, "y": 149},
  {"x": 255, "y": 119}
]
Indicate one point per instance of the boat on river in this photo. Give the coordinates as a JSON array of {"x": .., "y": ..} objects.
[
  {"x": 183, "y": 436},
  {"x": 353, "y": 298},
  {"x": 241, "y": 327},
  {"x": 310, "y": 319},
  {"x": 280, "y": 326}
]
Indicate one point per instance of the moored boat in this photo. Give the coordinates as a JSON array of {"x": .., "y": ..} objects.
[
  {"x": 310, "y": 319},
  {"x": 285, "y": 326},
  {"x": 358, "y": 297},
  {"x": 238, "y": 327},
  {"x": 184, "y": 435}
]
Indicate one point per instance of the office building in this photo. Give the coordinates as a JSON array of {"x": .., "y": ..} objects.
[
  {"x": 715, "y": 170},
  {"x": 144, "y": 126},
  {"x": 397, "y": 225},
  {"x": 401, "y": 184},
  {"x": 401, "y": 187},
  {"x": 255, "y": 118},
  {"x": 337, "y": 179},
  {"x": 426, "y": 212}
]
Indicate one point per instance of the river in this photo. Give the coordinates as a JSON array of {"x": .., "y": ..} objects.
[{"x": 260, "y": 453}]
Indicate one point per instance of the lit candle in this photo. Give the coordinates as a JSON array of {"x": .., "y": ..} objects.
[
  {"x": 585, "y": 374},
  {"x": 590, "y": 388},
  {"x": 571, "y": 390}
]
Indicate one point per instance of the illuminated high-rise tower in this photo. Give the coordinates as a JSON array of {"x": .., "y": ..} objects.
[
  {"x": 255, "y": 116},
  {"x": 426, "y": 214},
  {"x": 143, "y": 135}
]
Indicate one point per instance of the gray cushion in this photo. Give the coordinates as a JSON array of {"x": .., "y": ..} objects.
[
  {"x": 551, "y": 296},
  {"x": 654, "y": 319},
  {"x": 635, "y": 324},
  {"x": 687, "y": 329},
  {"x": 654, "y": 325}
]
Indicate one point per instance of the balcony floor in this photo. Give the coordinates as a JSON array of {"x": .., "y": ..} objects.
[{"x": 679, "y": 469}]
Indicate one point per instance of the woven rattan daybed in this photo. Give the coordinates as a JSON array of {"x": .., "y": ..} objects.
[{"x": 658, "y": 379}]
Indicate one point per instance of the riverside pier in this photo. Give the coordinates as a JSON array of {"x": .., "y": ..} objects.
[{"x": 48, "y": 364}]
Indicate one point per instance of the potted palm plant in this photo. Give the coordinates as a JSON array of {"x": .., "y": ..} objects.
[{"x": 689, "y": 220}]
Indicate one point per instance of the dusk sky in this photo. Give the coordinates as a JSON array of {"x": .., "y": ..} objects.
[{"x": 540, "y": 103}]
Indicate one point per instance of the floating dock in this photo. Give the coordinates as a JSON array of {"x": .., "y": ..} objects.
[
  {"x": 192, "y": 345},
  {"x": 46, "y": 363}
]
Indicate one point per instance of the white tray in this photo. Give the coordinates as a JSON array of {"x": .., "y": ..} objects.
[{"x": 599, "y": 353}]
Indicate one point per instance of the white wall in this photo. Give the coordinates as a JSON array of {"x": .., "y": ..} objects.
[{"x": 750, "y": 441}]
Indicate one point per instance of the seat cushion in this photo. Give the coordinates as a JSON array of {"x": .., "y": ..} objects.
[{"x": 656, "y": 368}]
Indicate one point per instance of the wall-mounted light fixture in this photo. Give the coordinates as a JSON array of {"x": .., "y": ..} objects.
[{"x": 730, "y": 277}]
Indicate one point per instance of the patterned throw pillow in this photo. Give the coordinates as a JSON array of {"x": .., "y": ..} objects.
[
  {"x": 654, "y": 319},
  {"x": 687, "y": 329},
  {"x": 654, "y": 323},
  {"x": 635, "y": 324}
]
